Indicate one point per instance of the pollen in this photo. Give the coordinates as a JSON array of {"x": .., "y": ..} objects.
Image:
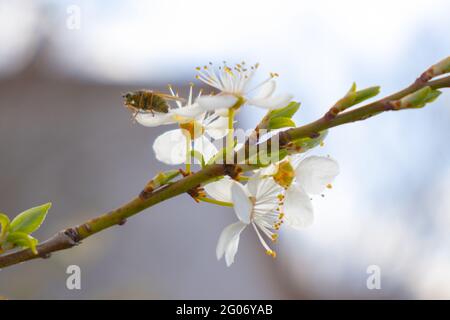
[{"x": 271, "y": 253}]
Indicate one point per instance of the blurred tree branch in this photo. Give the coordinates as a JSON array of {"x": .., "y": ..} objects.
[{"x": 73, "y": 236}]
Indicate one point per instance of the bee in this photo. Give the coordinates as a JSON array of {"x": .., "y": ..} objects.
[{"x": 148, "y": 101}]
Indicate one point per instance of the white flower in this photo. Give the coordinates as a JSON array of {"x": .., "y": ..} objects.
[
  {"x": 233, "y": 84},
  {"x": 257, "y": 204},
  {"x": 312, "y": 175},
  {"x": 171, "y": 146},
  {"x": 181, "y": 114}
]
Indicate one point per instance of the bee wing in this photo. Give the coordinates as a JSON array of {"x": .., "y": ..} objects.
[{"x": 169, "y": 97}]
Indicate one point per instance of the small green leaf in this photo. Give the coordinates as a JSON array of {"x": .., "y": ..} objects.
[
  {"x": 439, "y": 68},
  {"x": 285, "y": 112},
  {"x": 365, "y": 94},
  {"x": 30, "y": 220},
  {"x": 23, "y": 240},
  {"x": 308, "y": 143},
  {"x": 4, "y": 226},
  {"x": 417, "y": 99},
  {"x": 281, "y": 122}
]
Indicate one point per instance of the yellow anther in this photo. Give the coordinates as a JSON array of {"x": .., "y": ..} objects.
[
  {"x": 274, "y": 237},
  {"x": 198, "y": 68},
  {"x": 322, "y": 144},
  {"x": 329, "y": 186},
  {"x": 197, "y": 77},
  {"x": 228, "y": 70},
  {"x": 271, "y": 253},
  {"x": 281, "y": 216}
]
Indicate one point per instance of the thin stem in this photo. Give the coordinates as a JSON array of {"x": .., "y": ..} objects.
[
  {"x": 230, "y": 133},
  {"x": 188, "y": 153},
  {"x": 214, "y": 201}
]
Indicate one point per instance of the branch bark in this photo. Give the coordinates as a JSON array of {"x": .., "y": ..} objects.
[{"x": 73, "y": 236}]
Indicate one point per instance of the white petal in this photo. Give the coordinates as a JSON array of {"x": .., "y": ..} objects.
[
  {"x": 170, "y": 147},
  {"x": 211, "y": 103},
  {"x": 223, "y": 112},
  {"x": 272, "y": 102},
  {"x": 218, "y": 128},
  {"x": 205, "y": 147},
  {"x": 298, "y": 209},
  {"x": 314, "y": 173},
  {"x": 268, "y": 188},
  {"x": 269, "y": 170},
  {"x": 220, "y": 190},
  {"x": 150, "y": 120},
  {"x": 229, "y": 241},
  {"x": 190, "y": 111},
  {"x": 242, "y": 204},
  {"x": 266, "y": 90}
]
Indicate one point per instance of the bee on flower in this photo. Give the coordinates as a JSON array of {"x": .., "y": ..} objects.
[{"x": 196, "y": 127}]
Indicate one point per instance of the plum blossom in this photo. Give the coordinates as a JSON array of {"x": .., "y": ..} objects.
[{"x": 233, "y": 84}]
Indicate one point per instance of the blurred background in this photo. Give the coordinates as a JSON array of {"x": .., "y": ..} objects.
[{"x": 65, "y": 137}]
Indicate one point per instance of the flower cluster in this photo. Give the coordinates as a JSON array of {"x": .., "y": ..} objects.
[{"x": 273, "y": 195}]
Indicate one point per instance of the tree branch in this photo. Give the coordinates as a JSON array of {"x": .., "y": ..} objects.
[{"x": 70, "y": 237}]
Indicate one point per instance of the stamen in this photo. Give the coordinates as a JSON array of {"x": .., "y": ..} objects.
[
  {"x": 261, "y": 239},
  {"x": 271, "y": 253},
  {"x": 274, "y": 237}
]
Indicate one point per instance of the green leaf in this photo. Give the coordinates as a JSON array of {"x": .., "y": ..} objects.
[
  {"x": 285, "y": 112},
  {"x": 417, "y": 99},
  {"x": 281, "y": 122},
  {"x": 365, "y": 94},
  {"x": 308, "y": 143},
  {"x": 30, "y": 220},
  {"x": 4, "y": 225},
  {"x": 23, "y": 240}
]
